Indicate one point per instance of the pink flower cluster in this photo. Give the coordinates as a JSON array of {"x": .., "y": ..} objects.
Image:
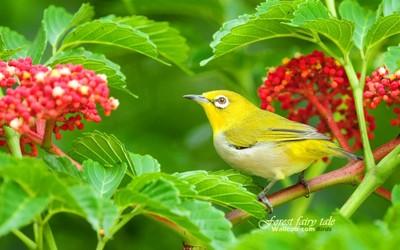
[
  {"x": 64, "y": 94},
  {"x": 383, "y": 87}
]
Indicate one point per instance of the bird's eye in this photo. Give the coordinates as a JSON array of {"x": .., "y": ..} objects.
[{"x": 221, "y": 102}]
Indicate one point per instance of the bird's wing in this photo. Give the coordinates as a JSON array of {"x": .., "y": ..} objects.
[{"x": 269, "y": 127}]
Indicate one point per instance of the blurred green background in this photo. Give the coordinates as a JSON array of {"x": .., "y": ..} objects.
[{"x": 163, "y": 124}]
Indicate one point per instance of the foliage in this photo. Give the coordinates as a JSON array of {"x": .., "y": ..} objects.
[{"x": 108, "y": 177}]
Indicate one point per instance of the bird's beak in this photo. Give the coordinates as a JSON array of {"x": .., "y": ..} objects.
[{"x": 197, "y": 98}]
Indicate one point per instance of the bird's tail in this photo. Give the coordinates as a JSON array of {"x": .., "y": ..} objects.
[{"x": 347, "y": 154}]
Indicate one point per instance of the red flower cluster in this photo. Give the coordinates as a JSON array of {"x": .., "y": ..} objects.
[
  {"x": 315, "y": 85},
  {"x": 64, "y": 95},
  {"x": 382, "y": 86}
]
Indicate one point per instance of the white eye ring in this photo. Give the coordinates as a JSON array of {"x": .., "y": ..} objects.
[{"x": 221, "y": 102}]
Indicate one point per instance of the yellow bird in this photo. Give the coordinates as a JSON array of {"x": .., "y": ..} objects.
[{"x": 262, "y": 143}]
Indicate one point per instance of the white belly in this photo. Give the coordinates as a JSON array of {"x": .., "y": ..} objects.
[{"x": 263, "y": 159}]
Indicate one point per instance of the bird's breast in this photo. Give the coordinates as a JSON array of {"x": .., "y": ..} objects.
[{"x": 266, "y": 159}]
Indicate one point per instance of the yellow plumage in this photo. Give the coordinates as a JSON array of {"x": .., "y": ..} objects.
[{"x": 260, "y": 142}]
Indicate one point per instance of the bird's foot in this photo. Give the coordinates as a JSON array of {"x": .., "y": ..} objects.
[
  {"x": 263, "y": 198},
  {"x": 306, "y": 186}
]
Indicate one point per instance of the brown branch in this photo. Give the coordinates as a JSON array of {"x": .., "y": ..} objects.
[{"x": 351, "y": 173}]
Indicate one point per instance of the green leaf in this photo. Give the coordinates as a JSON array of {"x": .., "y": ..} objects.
[
  {"x": 392, "y": 58},
  {"x": 362, "y": 18},
  {"x": 38, "y": 47},
  {"x": 197, "y": 221},
  {"x": 5, "y": 54},
  {"x": 62, "y": 165},
  {"x": 236, "y": 176},
  {"x": 101, "y": 147},
  {"x": 383, "y": 28},
  {"x": 396, "y": 195},
  {"x": 247, "y": 29},
  {"x": 139, "y": 182},
  {"x": 262, "y": 239},
  {"x": 170, "y": 44},
  {"x": 210, "y": 221},
  {"x": 340, "y": 32},
  {"x": 313, "y": 16},
  {"x": 309, "y": 11},
  {"x": 57, "y": 21},
  {"x": 144, "y": 164},
  {"x": 15, "y": 43},
  {"x": 221, "y": 190},
  {"x": 31, "y": 174},
  {"x": 17, "y": 207},
  {"x": 97, "y": 62},
  {"x": 109, "y": 33},
  {"x": 104, "y": 180},
  {"x": 101, "y": 213},
  {"x": 390, "y": 7}
]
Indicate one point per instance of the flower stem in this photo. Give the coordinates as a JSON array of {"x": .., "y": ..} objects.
[
  {"x": 102, "y": 240},
  {"x": 53, "y": 149},
  {"x": 371, "y": 182},
  {"x": 13, "y": 141},
  {"x": 331, "y": 7},
  {"x": 25, "y": 239},
  {"x": 328, "y": 116},
  {"x": 48, "y": 133},
  {"x": 38, "y": 232},
  {"x": 349, "y": 174},
  {"x": 358, "y": 102},
  {"x": 49, "y": 237}
]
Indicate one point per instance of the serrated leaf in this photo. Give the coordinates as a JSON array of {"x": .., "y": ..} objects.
[
  {"x": 340, "y": 32},
  {"x": 390, "y": 7},
  {"x": 144, "y": 164},
  {"x": 97, "y": 62},
  {"x": 362, "y": 18},
  {"x": 314, "y": 16},
  {"x": 221, "y": 190},
  {"x": 57, "y": 21},
  {"x": 30, "y": 174},
  {"x": 211, "y": 223},
  {"x": 7, "y": 53},
  {"x": 138, "y": 182},
  {"x": 17, "y": 207},
  {"x": 236, "y": 176},
  {"x": 108, "y": 33},
  {"x": 101, "y": 147},
  {"x": 84, "y": 14},
  {"x": 392, "y": 58},
  {"x": 62, "y": 165},
  {"x": 197, "y": 221},
  {"x": 309, "y": 11},
  {"x": 170, "y": 44},
  {"x": 103, "y": 180},
  {"x": 246, "y": 29},
  {"x": 383, "y": 28},
  {"x": 100, "y": 212},
  {"x": 15, "y": 43},
  {"x": 38, "y": 46}
]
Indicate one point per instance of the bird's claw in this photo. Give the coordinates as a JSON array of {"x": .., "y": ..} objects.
[
  {"x": 306, "y": 186},
  {"x": 263, "y": 198}
]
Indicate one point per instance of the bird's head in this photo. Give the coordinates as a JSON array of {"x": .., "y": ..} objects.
[{"x": 223, "y": 107}]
